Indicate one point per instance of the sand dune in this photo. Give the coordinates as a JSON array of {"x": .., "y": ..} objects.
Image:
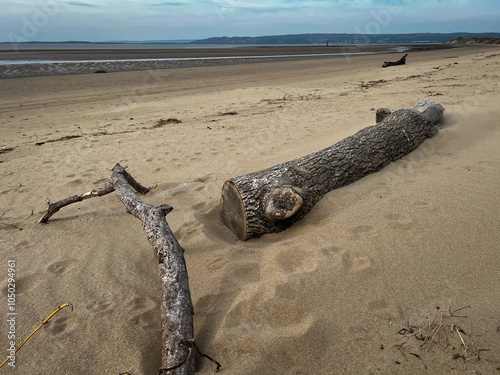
[{"x": 327, "y": 296}]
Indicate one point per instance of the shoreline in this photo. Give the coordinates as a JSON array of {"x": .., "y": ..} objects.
[{"x": 35, "y": 63}]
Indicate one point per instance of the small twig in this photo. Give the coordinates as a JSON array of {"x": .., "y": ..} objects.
[
  {"x": 37, "y": 328},
  {"x": 399, "y": 347},
  {"x": 416, "y": 355},
  {"x": 428, "y": 331},
  {"x": 436, "y": 330},
  {"x": 228, "y": 113},
  {"x": 452, "y": 313},
  {"x": 479, "y": 351},
  {"x": 4, "y": 150},
  {"x": 461, "y": 338},
  {"x": 434, "y": 335}
]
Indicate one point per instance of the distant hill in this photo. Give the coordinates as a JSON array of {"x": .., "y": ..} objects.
[
  {"x": 40, "y": 42},
  {"x": 176, "y": 41},
  {"x": 474, "y": 40},
  {"x": 344, "y": 38},
  {"x": 173, "y": 41}
]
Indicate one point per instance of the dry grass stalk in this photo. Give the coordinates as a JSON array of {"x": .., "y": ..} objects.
[{"x": 435, "y": 334}]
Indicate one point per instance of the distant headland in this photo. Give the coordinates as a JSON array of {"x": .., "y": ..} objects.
[
  {"x": 336, "y": 39},
  {"x": 474, "y": 40}
]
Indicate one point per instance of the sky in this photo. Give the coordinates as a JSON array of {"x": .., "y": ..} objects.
[{"x": 107, "y": 20}]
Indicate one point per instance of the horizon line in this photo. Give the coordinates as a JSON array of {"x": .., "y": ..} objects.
[{"x": 188, "y": 40}]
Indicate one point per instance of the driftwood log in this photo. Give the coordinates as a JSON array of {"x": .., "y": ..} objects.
[
  {"x": 273, "y": 199},
  {"x": 176, "y": 306},
  {"x": 401, "y": 61}
]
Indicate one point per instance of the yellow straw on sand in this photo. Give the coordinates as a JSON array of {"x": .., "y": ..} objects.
[{"x": 37, "y": 328}]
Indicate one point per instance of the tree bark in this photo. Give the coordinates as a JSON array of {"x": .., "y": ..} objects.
[
  {"x": 401, "y": 61},
  {"x": 176, "y": 307},
  {"x": 273, "y": 199}
]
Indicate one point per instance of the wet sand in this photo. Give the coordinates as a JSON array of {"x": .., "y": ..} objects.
[
  {"x": 35, "y": 63},
  {"x": 353, "y": 288}
]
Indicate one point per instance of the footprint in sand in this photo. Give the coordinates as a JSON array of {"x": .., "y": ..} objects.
[
  {"x": 356, "y": 261},
  {"x": 272, "y": 318},
  {"x": 146, "y": 313},
  {"x": 203, "y": 182},
  {"x": 149, "y": 320},
  {"x": 188, "y": 230},
  {"x": 195, "y": 157},
  {"x": 98, "y": 306},
  {"x": 296, "y": 260},
  {"x": 245, "y": 273},
  {"x": 399, "y": 220},
  {"x": 216, "y": 264},
  {"x": 425, "y": 205},
  {"x": 60, "y": 325},
  {"x": 88, "y": 173},
  {"x": 23, "y": 284},
  {"x": 363, "y": 231},
  {"x": 332, "y": 254},
  {"x": 75, "y": 182},
  {"x": 139, "y": 303},
  {"x": 203, "y": 207},
  {"x": 25, "y": 244},
  {"x": 206, "y": 303},
  {"x": 385, "y": 310},
  {"x": 61, "y": 267}
]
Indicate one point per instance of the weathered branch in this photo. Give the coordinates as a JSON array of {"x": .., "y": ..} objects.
[
  {"x": 176, "y": 306},
  {"x": 54, "y": 207},
  {"x": 401, "y": 61},
  {"x": 106, "y": 189},
  {"x": 273, "y": 199}
]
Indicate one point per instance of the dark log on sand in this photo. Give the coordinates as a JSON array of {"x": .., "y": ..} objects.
[
  {"x": 176, "y": 306},
  {"x": 273, "y": 199},
  {"x": 401, "y": 61}
]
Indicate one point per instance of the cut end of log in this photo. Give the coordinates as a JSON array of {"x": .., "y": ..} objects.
[
  {"x": 283, "y": 203},
  {"x": 232, "y": 210}
]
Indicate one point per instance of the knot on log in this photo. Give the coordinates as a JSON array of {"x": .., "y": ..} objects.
[
  {"x": 283, "y": 203},
  {"x": 381, "y": 114},
  {"x": 430, "y": 110}
]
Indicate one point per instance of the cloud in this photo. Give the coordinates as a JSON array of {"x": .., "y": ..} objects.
[
  {"x": 80, "y": 4},
  {"x": 167, "y": 4},
  {"x": 184, "y": 19}
]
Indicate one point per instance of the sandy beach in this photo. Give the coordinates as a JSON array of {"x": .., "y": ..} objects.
[{"x": 397, "y": 273}]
